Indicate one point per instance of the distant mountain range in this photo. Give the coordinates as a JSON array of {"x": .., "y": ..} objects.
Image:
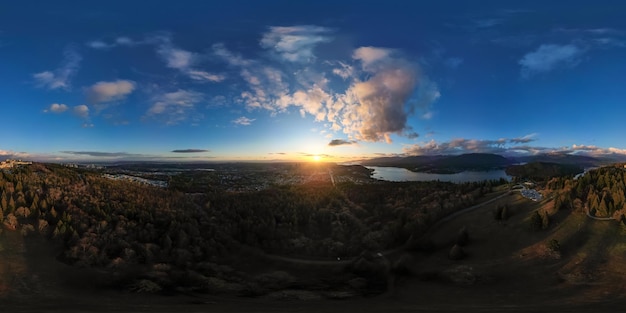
[{"x": 480, "y": 162}]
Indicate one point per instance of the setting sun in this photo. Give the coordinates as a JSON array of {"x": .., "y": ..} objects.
[{"x": 316, "y": 158}]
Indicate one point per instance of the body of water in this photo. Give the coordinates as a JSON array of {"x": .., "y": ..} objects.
[{"x": 402, "y": 174}]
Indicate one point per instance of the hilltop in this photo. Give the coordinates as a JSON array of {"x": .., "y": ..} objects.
[{"x": 444, "y": 163}]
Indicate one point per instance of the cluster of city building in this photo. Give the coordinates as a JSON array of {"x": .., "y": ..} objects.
[
  {"x": 531, "y": 194},
  {"x": 13, "y": 163},
  {"x": 89, "y": 166}
]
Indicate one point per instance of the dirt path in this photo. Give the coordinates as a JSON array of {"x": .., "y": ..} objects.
[{"x": 597, "y": 218}]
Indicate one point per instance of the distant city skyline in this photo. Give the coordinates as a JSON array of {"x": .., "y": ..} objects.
[{"x": 310, "y": 81}]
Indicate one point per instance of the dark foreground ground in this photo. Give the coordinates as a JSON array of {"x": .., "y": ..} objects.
[{"x": 504, "y": 272}]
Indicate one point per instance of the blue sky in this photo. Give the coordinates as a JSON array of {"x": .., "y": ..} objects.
[{"x": 287, "y": 80}]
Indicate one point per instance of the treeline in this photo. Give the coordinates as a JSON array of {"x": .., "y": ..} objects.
[
  {"x": 320, "y": 220},
  {"x": 543, "y": 170},
  {"x": 601, "y": 192}
]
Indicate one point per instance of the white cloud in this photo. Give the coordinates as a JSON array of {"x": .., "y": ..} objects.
[
  {"x": 82, "y": 111},
  {"x": 428, "y": 115},
  {"x": 379, "y": 94},
  {"x": 176, "y": 58},
  {"x": 504, "y": 146},
  {"x": 8, "y": 154},
  {"x": 99, "y": 44},
  {"x": 56, "y": 108},
  {"x": 267, "y": 89},
  {"x": 184, "y": 61},
  {"x": 380, "y": 110},
  {"x": 525, "y": 139},
  {"x": 60, "y": 77},
  {"x": 125, "y": 41},
  {"x": 176, "y": 106},
  {"x": 381, "y": 98},
  {"x": 244, "y": 121},
  {"x": 457, "y": 146},
  {"x": 549, "y": 57},
  {"x": 231, "y": 58},
  {"x": 295, "y": 43},
  {"x": 344, "y": 70},
  {"x": 371, "y": 55},
  {"x": 205, "y": 76},
  {"x": 119, "y": 41},
  {"x": 110, "y": 91},
  {"x": 312, "y": 101}
]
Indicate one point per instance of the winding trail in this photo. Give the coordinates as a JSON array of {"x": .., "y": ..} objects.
[{"x": 597, "y": 218}]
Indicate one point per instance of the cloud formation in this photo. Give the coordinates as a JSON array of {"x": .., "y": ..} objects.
[
  {"x": 60, "y": 77},
  {"x": 456, "y": 146},
  {"x": 231, "y": 58},
  {"x": 101, "y": 154},
  {"x": 379, "y": 88},
  {"x": 110, "y": 91},
  {"x": 82, "y": 111},
  {"x": 8, "y": 154},
  {"x": 294, "y": 43},
  {"x": 175, "y": 106},
  {"x": 376, "y": 106},
  {"x": 243, "y": 121},
  {"x": 382, "y": 89},
  {"x": 119, "y": 41},
  {"x": 549, "y": 57},
  {"x": 205, "y": 76},
  {"x": 190, "y": 150},
  {"x": 56, "y": 108},
  {"x": 183, "y": 60},
  {"x": 341, "y": 142},
  {"x": 371, "y": 55},
  {"x": 503, "y": 146},
  {"x": 524, "y": 139}
]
